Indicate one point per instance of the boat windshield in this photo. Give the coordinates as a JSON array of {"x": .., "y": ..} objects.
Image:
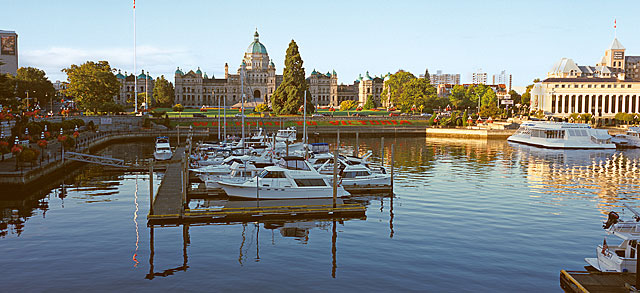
[
  {"x": 164, "y": 149},
  {"x": 294, "y": 165},
  {"x": 272, "y": 174}
]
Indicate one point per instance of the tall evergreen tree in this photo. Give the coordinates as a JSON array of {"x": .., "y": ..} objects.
[
  {"x": 288, "y": 97},
  {"x": 426, "y": 75}
]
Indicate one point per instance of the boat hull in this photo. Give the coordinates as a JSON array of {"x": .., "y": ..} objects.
[
  {"x": 559, "y": 144},
  {"x": 162, "y": 156},
  {"x": 248, "y": 192}
]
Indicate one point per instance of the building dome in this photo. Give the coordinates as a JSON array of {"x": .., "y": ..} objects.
[
  {"x": 256, "y": 46},
  {"x": 367, "y": 76},
  {"x": 199, "y": 72},
  {"x": 178, "y": 71},
  {"x": 119, "y": 75}
]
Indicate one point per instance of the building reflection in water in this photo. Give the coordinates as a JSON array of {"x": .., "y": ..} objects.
[{"x": 611, "y": 175}]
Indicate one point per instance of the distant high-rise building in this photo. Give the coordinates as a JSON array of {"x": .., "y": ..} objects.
[
  {"x": 9, "y": 52},
  {"x": 479, "y": 77},
  {"x": 503, "y": 78},
  {"x": 444, "y": 78}
]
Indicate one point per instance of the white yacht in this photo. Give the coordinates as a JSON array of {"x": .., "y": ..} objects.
[
  {"x": 292, "y": 177},
  {"x": 359, "y": 176},
  {"x": 562, "y": 135},
  {"x": 163, "y": 149},
  {"x": 631, "y": 138},
  {"x": 620, "y": 257},
  {"x": 285, "y": 135},
  {"x": 240, "y": 172}
]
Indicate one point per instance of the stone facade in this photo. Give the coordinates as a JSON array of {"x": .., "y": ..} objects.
[
  {"x": 370, "y": 86},
  {"x": 323, "y": 88},
  {"x": 127, "y": 86},
  {"x": 194, "y": 89},
  {"x": 610, "y": 87}
]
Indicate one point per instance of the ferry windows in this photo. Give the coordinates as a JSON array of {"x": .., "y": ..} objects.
[{"x": 310, "y": 182}]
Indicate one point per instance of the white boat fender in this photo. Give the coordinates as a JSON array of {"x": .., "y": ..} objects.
[{"x": 612, "y": 219}]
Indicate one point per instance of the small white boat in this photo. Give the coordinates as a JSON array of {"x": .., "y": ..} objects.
[
  {"x": 631, "y": 138},
  {"x": 285, "y": 135},
  {"x": 562, "y": 135},
  {"x": 619, "y": 257},
  {"x": 359, "y": 176},
  {"x": 163, "y": 149},
  {"x": 292, "y": 177},
  {"x": 240, "y": 172}
]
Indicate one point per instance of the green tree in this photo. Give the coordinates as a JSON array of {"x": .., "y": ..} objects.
[
  {"x": 262, "y": 108},
  {"x": 163, "y": 92},
  {"x": 489, "y": 98},
  {"x": 427, "y": 76},
  {"x": 370, "y": 103},
  {"x": 35, "y": 82},
  {"x": 142, "y": 97},
  {"x": 7, "y": 91},
  {"x": 91, "y": 84},
  {"x": 288, "y": 97},
  {"x": 465, "y": 118},
  {"x": 348, "y": 105},
  {"x": 111, "y": 108},
  {"x": 420, "y": 92},
  {"x": 395, "y": 86},
  {"x": 515, "y": 96},
  {"x": 489, "y": 110},
  {"x": 459, "y": 98}
]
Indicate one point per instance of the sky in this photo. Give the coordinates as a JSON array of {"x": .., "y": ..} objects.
[{"x": 525, "y": 38}]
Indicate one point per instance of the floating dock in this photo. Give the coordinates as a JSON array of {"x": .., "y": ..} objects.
[
  {"x": 170, "y": 205},
  {"x": 595, "y": 281}
]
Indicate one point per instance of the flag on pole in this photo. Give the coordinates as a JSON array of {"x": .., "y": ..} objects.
[
  {"x": 615, "y": 22},
  {"x": 134, "y": 4}
]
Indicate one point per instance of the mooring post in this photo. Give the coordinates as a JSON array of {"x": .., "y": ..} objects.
[
  {"x": 637, "y": 265},
  {"x": 382, "y": 151},
  {"x": 357, "y": 150},
  {"x": 287, "y": 143},
  {"x": 335, "y": 177},
  {"x": 151, "y": 189},
  {"x": 392, "y": 162},
  {"x": 258, "y": 190},
  {"x": 338, "y": 140},
  {"x": 178, "y": 127}
]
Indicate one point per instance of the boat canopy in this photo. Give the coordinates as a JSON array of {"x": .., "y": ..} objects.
[{"x": 294, "y": 163}]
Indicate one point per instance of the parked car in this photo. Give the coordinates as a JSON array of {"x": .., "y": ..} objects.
[
  {"x": 359, "y": 115},
  {"x": 317, "y": 115},
  {"x": 426, "y": 115},
  {"x": 199, "y": 115},
  {"x": 240, "y": 115}
]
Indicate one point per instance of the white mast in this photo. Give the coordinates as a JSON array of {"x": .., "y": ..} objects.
[
  {"x": 242, "y": 71},
  {"x": 135, "y": 78}
]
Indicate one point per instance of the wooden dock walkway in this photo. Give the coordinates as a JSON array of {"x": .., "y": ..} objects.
[
  {"x": 168, "y": 201},
  {"x": 594, "y": 281}
]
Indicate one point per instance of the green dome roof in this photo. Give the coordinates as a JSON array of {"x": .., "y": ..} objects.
[
  {"x": 256, "y": 46},
  {"x": 199, "y": 72},
  {"x": 367, "y": 76},
  {"x": 119, "y": 75},
  {"x": 178, "y": 71},
  {"x": 143, "y": 76}
]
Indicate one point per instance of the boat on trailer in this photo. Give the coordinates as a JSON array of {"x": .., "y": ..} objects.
[{"x": 562, "y": 135}]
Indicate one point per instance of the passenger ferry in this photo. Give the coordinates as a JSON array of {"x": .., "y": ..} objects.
[{"x": 562, "y": 135}]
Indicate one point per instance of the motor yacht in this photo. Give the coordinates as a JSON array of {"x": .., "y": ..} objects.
[
  {"x": 630, "y": 139},
  {"x": 292, "y": 177},
  {"x": 163, "y": 149}
]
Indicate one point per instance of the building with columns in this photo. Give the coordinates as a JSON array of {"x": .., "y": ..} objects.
[
  {"x": 603, "y": 90},
  {"x": 323, "y": 88},
  {"x": 259, "y": 82}
]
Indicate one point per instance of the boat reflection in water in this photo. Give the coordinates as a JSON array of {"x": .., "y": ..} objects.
[
  {"x": 611, "y": 175},
  {"x": 288, "y": 227}
]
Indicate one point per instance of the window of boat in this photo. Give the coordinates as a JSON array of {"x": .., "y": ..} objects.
[
  {"x": 272, "y": 174},
  {"x": 294, "y": 165},
  {"x": 310, "y": 182},
  {"x": 363, "y": 173},
  {"x": 349, "y": 175}
]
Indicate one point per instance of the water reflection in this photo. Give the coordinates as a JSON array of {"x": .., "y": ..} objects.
[{"x": 612, "y": 176}]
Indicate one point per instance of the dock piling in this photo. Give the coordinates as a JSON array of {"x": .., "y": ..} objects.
[
  {"x": 382, "y": 151},
  {"x": 151, "y": 189},
  {"x": 392, "y": 162},
  {"x": 335, "y": 177},
  {"x": 357, "y": 149}
]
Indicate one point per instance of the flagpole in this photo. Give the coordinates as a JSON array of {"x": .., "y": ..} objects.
[{"x": 135, "y": 78}]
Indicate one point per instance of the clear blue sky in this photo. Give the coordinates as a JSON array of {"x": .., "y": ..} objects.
[{"x": 523, "y": 37}]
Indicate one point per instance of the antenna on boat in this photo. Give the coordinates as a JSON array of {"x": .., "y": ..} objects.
[{"x": 636, "y": 214}]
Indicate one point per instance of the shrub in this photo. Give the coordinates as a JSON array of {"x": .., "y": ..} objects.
[
  {"x": 158, "y": 114},
  {"x": 348, "y": 105}
]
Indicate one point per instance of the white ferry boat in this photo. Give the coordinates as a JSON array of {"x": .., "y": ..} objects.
[
  {"x": 631, "y": 138},
  {"x": 163, "y": 149},
  {"x": 562, "y": 135}
]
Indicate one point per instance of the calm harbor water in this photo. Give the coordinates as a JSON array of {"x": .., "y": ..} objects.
[{"x": 468, "y": 215}]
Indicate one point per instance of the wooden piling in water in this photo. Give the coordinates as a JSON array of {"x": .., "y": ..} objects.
[
  {"x": 392, "y": 162},
  {"x": 357, "y": 148},
  {"x": 151, "y": 189},
  {"x": 382, "y": 151},
  {"x": 335, "y": 177}
]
